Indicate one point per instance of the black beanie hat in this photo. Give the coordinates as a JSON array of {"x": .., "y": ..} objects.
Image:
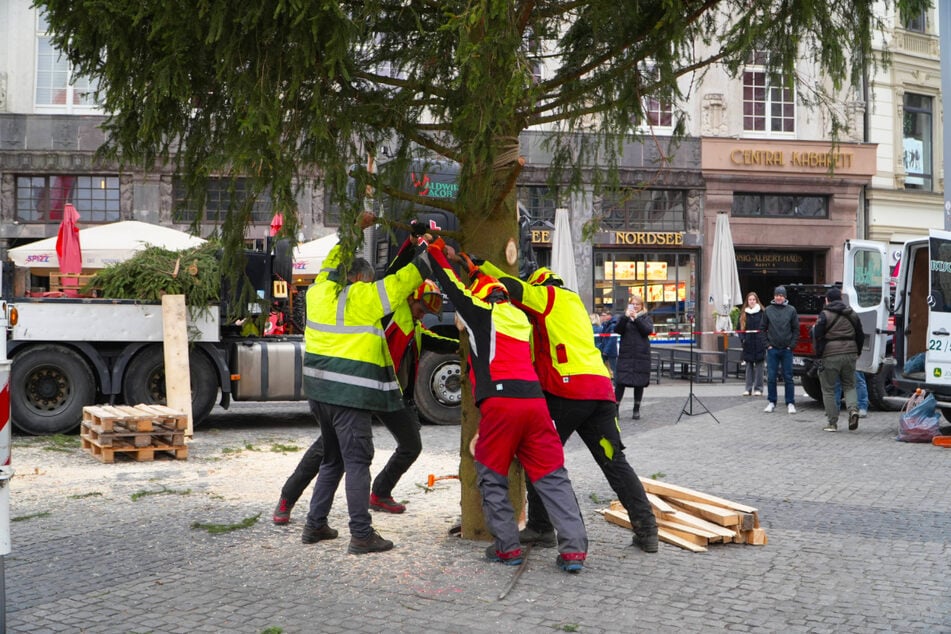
[{"x": 780, "y": 290}]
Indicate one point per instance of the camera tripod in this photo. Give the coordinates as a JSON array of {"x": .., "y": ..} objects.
[{"x": 692, "y": 398}]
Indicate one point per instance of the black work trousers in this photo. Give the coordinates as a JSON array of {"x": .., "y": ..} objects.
[
  {"x": 596, "y": 424},
  {"x": 403, "y": 424}
]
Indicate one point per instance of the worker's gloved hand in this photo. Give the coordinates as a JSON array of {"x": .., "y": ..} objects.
[
  {"x": 472, "y": 269},
  {"x": 418, "y": 228},
  {"x": 424, "y": 240},
  {"x": 439, "y": 244}
]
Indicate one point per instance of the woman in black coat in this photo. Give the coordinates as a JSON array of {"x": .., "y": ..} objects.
[
  {"x": 634, "y": 353},
  {"x": 754, "y": 344}
]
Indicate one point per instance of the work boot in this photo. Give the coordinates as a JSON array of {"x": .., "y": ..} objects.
[
  {"x": 282, "y": 512},
  {"x": 832, "y": 426},
  {"x": 387, "y": 505},
  {"x": 542, "y": 539},
  {"x": 312, "y": 535},
  {"x": 637, "y": 411},
  {"x": 570, "y": 562},
  {"x": 646, "y": 541},
  {"x": 853, "y": 419},
  {"x": 372, "y": 544},
  {"x": 510, "y": 558}
]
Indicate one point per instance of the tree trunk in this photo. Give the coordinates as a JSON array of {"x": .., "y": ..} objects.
[{"x": 492, "y": 234}]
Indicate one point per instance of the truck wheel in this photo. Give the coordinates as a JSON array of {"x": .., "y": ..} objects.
[
  {"x": 438, "y": 389},
  {"x": 144, "y": 381},
  {"x": 49, "y": 386},
  {"x": 812, "y": 387},
  {"x": 880, "y": 386}
]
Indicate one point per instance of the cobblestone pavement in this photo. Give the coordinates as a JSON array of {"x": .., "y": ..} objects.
[{"x": 858, "y": 528}]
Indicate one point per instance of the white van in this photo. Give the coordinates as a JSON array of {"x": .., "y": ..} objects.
[{"x": 921, "y": 339}]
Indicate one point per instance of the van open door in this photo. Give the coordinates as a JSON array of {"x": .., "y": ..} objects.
[
  {"x": 865, "y": 289},
  {"x": 938, "y": 356}
]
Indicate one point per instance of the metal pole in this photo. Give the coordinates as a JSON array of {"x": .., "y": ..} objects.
[
  {"x": 6, "y": 472},
  {"x": 944, "y": 34}
]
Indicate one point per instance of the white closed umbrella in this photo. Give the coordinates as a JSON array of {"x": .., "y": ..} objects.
[
  {"x": 563, "y": 251},
  {"x": 724, "y": 281}
]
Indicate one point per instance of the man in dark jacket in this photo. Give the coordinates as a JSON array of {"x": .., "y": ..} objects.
[
  {"x": 838, "y": 337},
  {"x": 781, "y": 322}
]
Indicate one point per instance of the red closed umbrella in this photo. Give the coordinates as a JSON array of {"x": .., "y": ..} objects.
[{"x": 67, "y": 246}]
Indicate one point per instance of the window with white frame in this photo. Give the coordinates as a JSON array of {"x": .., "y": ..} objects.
[
  {"x": 769, "y": 106},
  {"x": 916, "y": 21},
  {"x": 58, "y": 87}
]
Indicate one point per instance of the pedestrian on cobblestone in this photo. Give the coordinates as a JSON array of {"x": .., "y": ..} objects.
[
  {"x": 634, "y": 352},
  {"x": 753, "y": 339},
  {"x": 781, "y": 322},
  {"x": 579, "y": 395},
  {"x": 348, "y": 375},
  {"x": 838, "y": 339},
  {"x": 515, "y": 420}
]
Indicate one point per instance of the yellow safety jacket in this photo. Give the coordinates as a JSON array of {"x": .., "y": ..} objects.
[
  {"x": 346, "y": 359},
  {"x": 567, "y": 361}
]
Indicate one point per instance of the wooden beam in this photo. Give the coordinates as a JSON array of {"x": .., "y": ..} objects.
[
  {"x": 178, "y": 393},
  {"x": 724, "y": 534},
  {"x": 709, "y": 512},
  {"x": 670, "y": 538},
  {"x": 659, "y": 504},
  {"x": 683, "y": 493}
]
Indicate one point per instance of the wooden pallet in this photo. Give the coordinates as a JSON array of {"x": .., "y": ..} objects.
[
  {"x": 141, "y": 418},
  {"x": 138, "y": 432},
  {"x": 139, "y": 454}
]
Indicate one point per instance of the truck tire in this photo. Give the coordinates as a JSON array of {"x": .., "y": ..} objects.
[
  {"x": 812, "y": 387},
  {"x": 438, "y": 390},
  {"x": 49, "y": 386},
  {"x": 880, "y": 386},
  {"x": 144, "y": 381}
]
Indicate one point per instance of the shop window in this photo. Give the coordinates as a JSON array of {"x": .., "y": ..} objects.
[
  {"x": 664, "y": 280},
  {"x": 917, "y": 141},
  {"x": 644, "y": 210},
  {"x": 780, "y": 206},
  {"x": 220, "y": 195},
  {"x": 40, "y": 199},
  {"x": 769, "y": 105},
  {"x": 58, "y": 86}
]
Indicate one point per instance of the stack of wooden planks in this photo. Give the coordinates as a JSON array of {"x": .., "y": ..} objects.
[
  {"x": 693, "y": 520},
  {"x": 136, "y": 432}
]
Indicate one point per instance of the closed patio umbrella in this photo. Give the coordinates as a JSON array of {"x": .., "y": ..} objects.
[
  {"x": 563, "y": 252},
  {"x": 724, "y": 281},
  {"x": 68, "y": 250}
]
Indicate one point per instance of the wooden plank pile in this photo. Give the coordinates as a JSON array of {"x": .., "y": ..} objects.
[
  {"x": 137, "y": 432},
  {"x": 693, "y": 520}
]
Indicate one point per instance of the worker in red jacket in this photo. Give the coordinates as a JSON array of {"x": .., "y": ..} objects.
[
  {"x": 515, "y": 420},
  {"x": 580, "y": 396}
]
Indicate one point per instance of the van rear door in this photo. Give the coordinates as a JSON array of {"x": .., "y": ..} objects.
[
  {"x": 865, "y": 288},
  {"x": 938, "y": 356}
]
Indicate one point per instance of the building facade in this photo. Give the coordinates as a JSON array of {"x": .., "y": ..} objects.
[{"x": 753, "y": 150}]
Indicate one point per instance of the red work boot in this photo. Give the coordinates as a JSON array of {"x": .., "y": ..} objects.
[
  {"x": 282, "y": 512},
  {"x": 387, "y": 505}
]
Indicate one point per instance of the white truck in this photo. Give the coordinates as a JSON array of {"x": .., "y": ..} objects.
[{"x": 920, "y": 341}]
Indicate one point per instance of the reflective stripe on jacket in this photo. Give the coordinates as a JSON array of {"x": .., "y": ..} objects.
[{"x": 567, "y": 361}]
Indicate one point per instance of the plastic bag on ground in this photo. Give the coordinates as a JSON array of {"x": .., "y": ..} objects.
[{"x": 919, "y": 420}]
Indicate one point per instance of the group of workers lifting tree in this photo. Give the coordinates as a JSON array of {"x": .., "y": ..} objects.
[{"x": 532, "y": 362}]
